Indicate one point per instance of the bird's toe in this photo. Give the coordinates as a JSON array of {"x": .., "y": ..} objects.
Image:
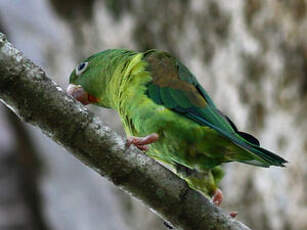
[
  {"x": 217, "y": 198},
  {"x": 142, "y": 142}
]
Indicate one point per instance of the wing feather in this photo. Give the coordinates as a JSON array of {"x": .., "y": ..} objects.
[{"x": 176, "y": 88}]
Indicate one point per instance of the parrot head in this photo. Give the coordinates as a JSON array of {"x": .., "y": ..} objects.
[
  {"x": 76, "y": 83},
  {"x": 84, "y": 78},
  {"x": 90, "y": 81}
]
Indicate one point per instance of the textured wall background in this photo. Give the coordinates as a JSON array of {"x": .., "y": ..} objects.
[{"x": 250, "y": 55}]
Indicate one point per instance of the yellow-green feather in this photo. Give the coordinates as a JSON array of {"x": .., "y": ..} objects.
[{"x": 151, "y": 97}]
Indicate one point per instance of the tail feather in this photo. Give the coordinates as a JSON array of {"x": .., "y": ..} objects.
[
  {"x": 263, "y": 157},
  {"x": 253, "y": 146},
  {"x": 268, "y": 156},
  {"x": 258, "y": 156}
]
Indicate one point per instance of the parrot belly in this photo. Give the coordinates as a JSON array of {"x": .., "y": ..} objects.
[{"x": 181, "y": 140}]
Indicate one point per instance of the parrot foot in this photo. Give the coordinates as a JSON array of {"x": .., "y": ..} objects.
[
  {"x": 142, "y": 142},
  {"x": 217, "y": 197},
  {"x": 217, "y": 200},
  {"x": 233, "y": 214}
]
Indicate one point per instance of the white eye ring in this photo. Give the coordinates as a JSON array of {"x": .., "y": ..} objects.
[{"x": 81, "y": 68}]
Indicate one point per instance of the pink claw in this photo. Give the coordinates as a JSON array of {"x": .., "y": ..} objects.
[
  {"x": 142, "y": 142},
  {"x": 233, "y": 214},
  {"x": 217, "y": 197}
]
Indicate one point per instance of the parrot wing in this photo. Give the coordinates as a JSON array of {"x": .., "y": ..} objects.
[{"x": 175, "y": 87}]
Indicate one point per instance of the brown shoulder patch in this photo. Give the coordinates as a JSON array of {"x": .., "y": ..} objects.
[{"x": 164, "y": 73}]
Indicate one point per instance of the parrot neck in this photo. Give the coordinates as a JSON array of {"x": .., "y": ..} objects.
[{"x": 128, "y": 81}]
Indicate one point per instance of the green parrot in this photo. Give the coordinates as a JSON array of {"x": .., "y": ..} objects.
[{"x": 161, "y": 103}]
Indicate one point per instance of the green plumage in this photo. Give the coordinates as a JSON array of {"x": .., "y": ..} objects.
[{"x": 154, "y": 92}]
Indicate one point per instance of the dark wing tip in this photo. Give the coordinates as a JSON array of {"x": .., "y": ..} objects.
[
  {"x": 249, "y": 138},
  {"x": 245, "y": 136}
]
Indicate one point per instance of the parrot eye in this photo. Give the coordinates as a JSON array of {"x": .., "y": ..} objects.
[{"x": 81, "y": 68}]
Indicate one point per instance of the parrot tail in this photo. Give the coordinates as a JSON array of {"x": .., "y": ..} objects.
[
  {"x": 267, "y": 158},
  {"x": 263, "y": 157},
  {"x": 254, "y": 155}
]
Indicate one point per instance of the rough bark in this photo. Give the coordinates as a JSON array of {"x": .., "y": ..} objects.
[{"x": 36, "y": 99}]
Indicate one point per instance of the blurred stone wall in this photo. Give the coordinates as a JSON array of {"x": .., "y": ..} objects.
[{"x": 250, "y": 55}]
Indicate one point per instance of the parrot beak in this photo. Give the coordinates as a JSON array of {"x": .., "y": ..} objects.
[{"x": 77, "y": 92}]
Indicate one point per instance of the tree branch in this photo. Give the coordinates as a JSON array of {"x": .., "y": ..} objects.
[{"x": 36, "y": 99}]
